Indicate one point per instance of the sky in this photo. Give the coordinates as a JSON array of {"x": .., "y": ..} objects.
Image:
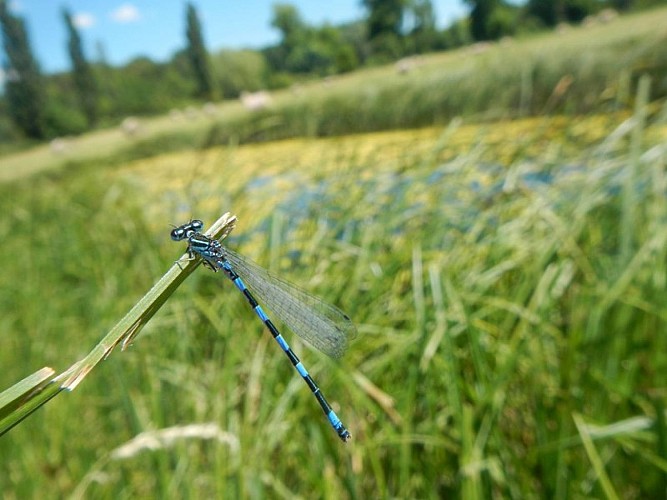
[{"x": 156, "y": 28}]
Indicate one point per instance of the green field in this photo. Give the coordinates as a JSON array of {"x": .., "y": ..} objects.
[{"x": 508, "y": 280}]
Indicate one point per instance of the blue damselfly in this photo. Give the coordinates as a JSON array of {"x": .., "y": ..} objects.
[{"x": 324, "y": 326}]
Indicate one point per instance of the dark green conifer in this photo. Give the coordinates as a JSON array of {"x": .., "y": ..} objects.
[
  {"x": 198, "y": 56},
  {"x": 82, "y": 74},
  {"x": 24, "y": 89}
]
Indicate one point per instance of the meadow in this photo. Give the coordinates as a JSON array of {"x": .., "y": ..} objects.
[{"x": 507, "y": 279}]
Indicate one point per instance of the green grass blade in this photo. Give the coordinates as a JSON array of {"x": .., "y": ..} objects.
[
  {"x": 595, "y": 458},
  {"x": 127, "y": 328},
  {"x": 20, "y": 399},
  {"x": 23, "y": 398}
]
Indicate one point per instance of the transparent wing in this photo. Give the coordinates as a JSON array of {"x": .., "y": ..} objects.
[{"x": 322, "y": 325}]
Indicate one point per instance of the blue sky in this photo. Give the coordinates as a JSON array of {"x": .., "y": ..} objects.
[{"x": 156, "y": 29}]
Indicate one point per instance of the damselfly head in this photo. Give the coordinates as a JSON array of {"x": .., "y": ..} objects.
[{"x": 186, "y": 230}]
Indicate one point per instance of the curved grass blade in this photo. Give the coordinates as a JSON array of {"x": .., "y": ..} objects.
[
  {"x": 21, "y": 399},
  {"x": 26, "y": 396}
]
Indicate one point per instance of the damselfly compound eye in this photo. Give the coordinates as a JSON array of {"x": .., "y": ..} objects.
[{"x": 186, "y": 230}]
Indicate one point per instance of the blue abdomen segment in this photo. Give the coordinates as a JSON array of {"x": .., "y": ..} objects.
[
  {"x": 262, "y": 315},
  {"x": 301, "y": 369},
  {"x": 240, "y": 284},
  {"x": 282, "y": 343}
]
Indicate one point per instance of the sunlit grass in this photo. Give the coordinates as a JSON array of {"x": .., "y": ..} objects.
[
  {"x": 482, "y": 267},
  {"x": 280, "y": 170}
]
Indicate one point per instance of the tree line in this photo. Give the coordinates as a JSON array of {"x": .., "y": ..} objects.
[{"x": 91, "y": 94}]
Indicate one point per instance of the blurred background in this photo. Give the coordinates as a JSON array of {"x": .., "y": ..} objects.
[{"x": 480, "y": 185}]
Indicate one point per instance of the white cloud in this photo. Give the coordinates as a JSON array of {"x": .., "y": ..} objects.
[
  {"x": 84, "y": 20},
  {"x": 126, "y": 13}
]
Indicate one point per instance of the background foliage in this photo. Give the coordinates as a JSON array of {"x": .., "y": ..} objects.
[{"x": 390, "y": 31}]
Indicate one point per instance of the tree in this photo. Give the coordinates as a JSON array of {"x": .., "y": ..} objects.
[
  {"x": 480, "y": 18},
  {"x": 552, "y": 12},
  {"x": 236, "y": 71},
  {"x": 575, "y": 11},
  {"x": 287, "y": 20},
  {"x": 305, "y": 49},
  {"x": 385, "y": 20},
  {"x": 423, "y": 33},
  {"x": 384, "y": 17},
  {"x": 84, "y": 80},
  {"x": 23, "y": 87},
  {"x": 198, "y": 57},
  {"x": 457, "y": 35},
  {"x": 341, "y": 51},
  {"x": 621, "y": 4},
  {"x": 355, "y": 33},
  {"x": 547, "y": 11}
]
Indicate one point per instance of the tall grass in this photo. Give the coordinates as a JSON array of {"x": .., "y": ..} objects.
[
  {"x": 581, "y": 70},
  {"x": 509, "y": 320}
]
